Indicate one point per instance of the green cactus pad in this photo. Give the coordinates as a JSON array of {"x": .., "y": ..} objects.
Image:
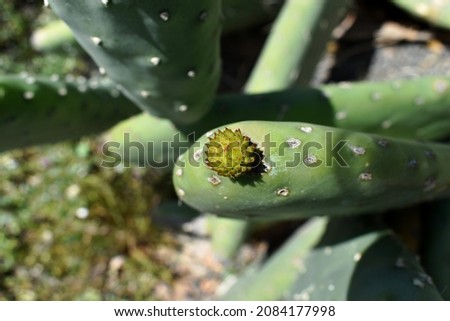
[
  {"x": 434, "y": 12},
  {"x": 312, "y": 170},
  {"x": 224, "y": 246},
  {"x": 276, "y": 275},
  {"x": 356, "y": 262},
  {"x": 296, "y": 44},
  {"x": 51, "y": 36},
  {"x": 144, "y": 140},
  {"x": 40, "y": 110},
  {"x": 163, "y": 53},
  {"x": 239, "y": 15},
  {"x": 415, "y": 108},
  {"x": 436, "y": 245}
]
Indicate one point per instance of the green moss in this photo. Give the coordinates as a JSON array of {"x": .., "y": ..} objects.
[
  {"x": 17, "y": 21},
  {"x": 73, "y": 230}
]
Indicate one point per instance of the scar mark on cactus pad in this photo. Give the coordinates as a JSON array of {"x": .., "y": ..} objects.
[
  {"x": 181, "y": 193},
  {"x": 284, "y": 192},
  {"x": 413, "y": 164},
  {"x": 214, "y": 180},
  {"x": 97, "y": 41},
  {"x": 144, "y": 93},
  {"x": 341, "y": 115},
  {"x": 419, "y": 283},
  {"x": 182, "y": 108},
  {"x": 28, "y": 95},
  {"x": 426, "y": 278},
  {"x": 357, "y": 150},
  {"x": 198, "y": 155},
  {"x": 386, "y": 124},
  {"x": 294, "y": 142},
  {"x": 164, "y": 15},
  {"x": 383, "y": 143},
  {"x": 62, "y": 91},
  {"x": 203, "y": 16},
  {"x": 310, "y": 160},
  {"x": 306, "y": 129},
  {"x": 155, "y": 61},
  {"x": 430, "y": 155},
  {"x": 366, "y": 177},
  {"x": 430, "y": 184}
]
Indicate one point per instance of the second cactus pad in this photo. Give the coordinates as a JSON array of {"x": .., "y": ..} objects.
[
  {"x": 163, "y": 53},
  {"x": 302, "y": 170}
]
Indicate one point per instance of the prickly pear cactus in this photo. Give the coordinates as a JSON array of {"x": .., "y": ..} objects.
[
  {"x": 354, "y": 262},
  {"x": 163, "y": 53},
  {"x": 409, "y": 108},
  {"x": 436, "y": 256},
  {"x": 309, "y": 170},
  {"x": 240, "y": 14},
  {"x": 144, "y": 140},
  {"x": 296, "y": 43},
  {"x": 164, "y": 56},
  {"x": 274, "y": 278},
  {"x": 435, "y": 12},
  {"x": 43, "y": 110}
]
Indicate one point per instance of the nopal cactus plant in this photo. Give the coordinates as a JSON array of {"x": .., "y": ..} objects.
[
  {"x": 274, "y": 152},
  {"x": 143, "y": 55},
  {"x": 307, "y": 170}
]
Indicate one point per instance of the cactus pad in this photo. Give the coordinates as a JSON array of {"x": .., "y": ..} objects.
[{"x": 163, "y": 53}]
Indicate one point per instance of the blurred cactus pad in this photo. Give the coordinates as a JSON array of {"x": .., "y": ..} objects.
[{"x": 233, "y": 150}]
